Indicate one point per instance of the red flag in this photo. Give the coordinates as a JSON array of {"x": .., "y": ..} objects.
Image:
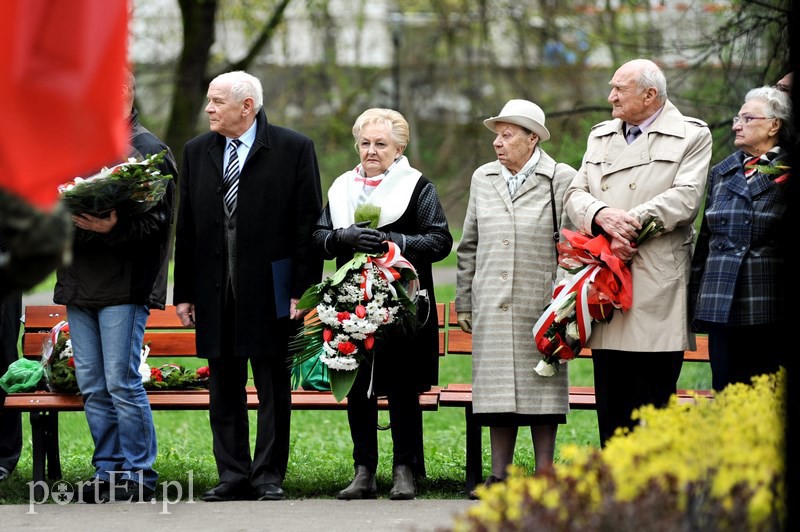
[{"x": 61, "y": 66}]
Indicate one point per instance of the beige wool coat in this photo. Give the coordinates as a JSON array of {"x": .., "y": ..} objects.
[
  {"x": 506, "y": 272},
  {"x": 661, "y": 174}
]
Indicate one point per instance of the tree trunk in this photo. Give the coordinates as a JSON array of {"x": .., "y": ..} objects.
[{"x": 191, "y": 81}]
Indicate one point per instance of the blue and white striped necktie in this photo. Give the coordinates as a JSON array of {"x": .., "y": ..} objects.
[{"x": 230, "y": 180}]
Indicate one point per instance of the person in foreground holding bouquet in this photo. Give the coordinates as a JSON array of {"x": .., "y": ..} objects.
[
  {"x": 403, "y": 363},
  {"x": 506, "y": 270},
  {"x": 10, "y": 422},
  {"x": 649, "y": 162},
  {"x": 117, "y": 274},
  {"x": 239, "y": 283},
  {"x": 739, "y": 276}
]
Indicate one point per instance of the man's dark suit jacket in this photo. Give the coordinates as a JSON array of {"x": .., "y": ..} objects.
[{"x": 279, "y": 201}]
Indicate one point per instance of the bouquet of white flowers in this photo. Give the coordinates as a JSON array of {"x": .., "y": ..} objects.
[
  {"x": 351, "y": 310},
  {"x": 131, "y": 187}
]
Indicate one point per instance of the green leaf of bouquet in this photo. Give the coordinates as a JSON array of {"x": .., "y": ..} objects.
[
  {"x": 650, "y": 228},
  {"x": 366, "y": 212},
  {"x": 341, "y": 382},
  {"x": 356, "y": 262},
  {"x": 311, "y": 297}
]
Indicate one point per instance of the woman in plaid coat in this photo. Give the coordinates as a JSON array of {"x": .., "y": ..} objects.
[{"x": 739, "y": 280}]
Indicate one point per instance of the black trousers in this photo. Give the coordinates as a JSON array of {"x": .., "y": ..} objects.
[
  {"x": 627, "y": 380},
  {"x": 405, "y": 417},
  {"x": 229, "y": 417},
  {"x": 737, "y": 354},
  {"x": 10, "y": 422}
]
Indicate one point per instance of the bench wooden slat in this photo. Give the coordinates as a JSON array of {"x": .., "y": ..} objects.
[
  {"x": 167, "y": 344},
  {"x": 194, "y": 400},
  {"x": 44, "y": 317},
  {"x": 173, "y": 341},
  {"x": 460, "y": 343}
]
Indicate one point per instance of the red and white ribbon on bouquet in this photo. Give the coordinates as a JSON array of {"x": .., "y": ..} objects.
[
  {"x": 388, "y": 264},
  {"x": 611, "y": 277},
  {"x": 578, "y": 283}
]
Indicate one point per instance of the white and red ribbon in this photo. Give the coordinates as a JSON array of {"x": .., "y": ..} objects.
[
  {"x": 388, "y": 265},
  {"x": 578, "y": 283}
]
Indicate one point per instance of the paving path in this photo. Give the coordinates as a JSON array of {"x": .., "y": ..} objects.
[{"x": 306, "y": 515}]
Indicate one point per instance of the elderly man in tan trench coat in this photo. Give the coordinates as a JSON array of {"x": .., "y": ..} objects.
[{"x": 649, "y": 161}]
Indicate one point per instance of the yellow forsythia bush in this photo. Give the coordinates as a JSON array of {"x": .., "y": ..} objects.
[{"x": 714, "y": 465}]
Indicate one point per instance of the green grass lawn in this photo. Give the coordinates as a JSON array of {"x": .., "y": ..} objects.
[{"x": 320, "y": 461}]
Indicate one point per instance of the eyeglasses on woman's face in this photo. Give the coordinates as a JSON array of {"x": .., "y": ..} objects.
[{"x": 746, "y": 119}]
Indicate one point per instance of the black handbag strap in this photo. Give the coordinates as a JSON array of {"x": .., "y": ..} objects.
[{"x": 553, "y": 206}]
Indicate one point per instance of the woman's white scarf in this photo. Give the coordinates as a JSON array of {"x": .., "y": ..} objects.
[{"x": 392, "y": 195}]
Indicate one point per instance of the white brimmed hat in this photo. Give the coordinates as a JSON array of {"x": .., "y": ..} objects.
[{"x": 522, "y": 113}]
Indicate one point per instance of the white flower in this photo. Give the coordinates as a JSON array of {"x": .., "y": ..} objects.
[
  {"x": 347, "y": 363},
  {"x": 566, "y": 308},
  {"x": 544, "y": 369},
  {"x": 572, "y": 330},
  {"x": 144, "y": 371},
  {"x": 67, "y": 351},
  {"x": 144, "y": 368}
]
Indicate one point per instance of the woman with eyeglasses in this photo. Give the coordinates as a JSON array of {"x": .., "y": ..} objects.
[{"x": 739, "y": 280}]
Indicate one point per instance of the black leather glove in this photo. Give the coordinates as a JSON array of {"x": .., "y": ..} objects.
[{"x": 361, "y": 238}]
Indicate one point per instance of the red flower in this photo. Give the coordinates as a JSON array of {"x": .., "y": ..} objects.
[
  {"x": 71, "y": 362},
  {"x": 546, "y": 345},
  {"x": 346, "y": 348},
  {"x": 203, "y": 372},
  {"x": 564, "y": 352},
  {"x": 369, "y": 342},
  {"x": 155, "y": 375},
  {"x": 361, "y": 311},
  {"x": 601, "y": 312},
  {"x": 327, "y": 334},
  {"x": 341, "y": 316}
]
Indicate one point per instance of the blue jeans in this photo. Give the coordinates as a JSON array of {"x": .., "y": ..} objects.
[{"x": 107, "y": 343}]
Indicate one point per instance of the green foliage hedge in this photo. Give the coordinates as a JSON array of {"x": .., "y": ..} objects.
[{"x": 714, "y": 465}]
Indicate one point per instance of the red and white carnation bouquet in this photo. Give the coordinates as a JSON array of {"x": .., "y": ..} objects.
[
  {"x": 599, "y": 284},
  {"x": 351, "y": 311}
]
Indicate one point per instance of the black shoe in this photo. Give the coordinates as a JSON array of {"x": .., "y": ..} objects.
[
  {"x": 403, "y": 484},
  {"x": 131, "y": 491},
  {"x": 227, "y": 491},
  {"x": 95, "y": 491},
  {"x": 269, "y": 492},
  {"x": 4, "y": 473},
  {"x": 363, "y": 486},
  {"x": 489, "y": 481}
]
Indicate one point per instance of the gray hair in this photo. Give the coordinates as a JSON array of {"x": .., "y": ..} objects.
[
  {"x": 244, "y": 85},
  {"x": 378, "y": 115},
  {"x": 778, "y": 105},
  {"x": 652, "y": 76},
  {"x": 777, "y": 102},
  {"x": 129, "y": 80}
]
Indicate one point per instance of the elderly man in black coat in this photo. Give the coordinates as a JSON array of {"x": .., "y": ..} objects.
[{"x": 250, "y": 194}]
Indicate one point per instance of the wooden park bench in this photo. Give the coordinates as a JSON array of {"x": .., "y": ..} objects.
[
  {"x": 167, "y": 338},
  {"x": 580, "y": 397}
]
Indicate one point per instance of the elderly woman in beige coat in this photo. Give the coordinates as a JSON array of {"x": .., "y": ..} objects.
[{"x": 507, "y": 267}]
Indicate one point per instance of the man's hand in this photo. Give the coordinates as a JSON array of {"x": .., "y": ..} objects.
[
  {"x": 93, "y": 223},
  {"x": 623, "y": 249},
  {"x": 617, "y": 223},
  {"x": 185, "y": 312},
  {"x": 465, "y": 321},
  {"x": 294, "y": 312}
]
